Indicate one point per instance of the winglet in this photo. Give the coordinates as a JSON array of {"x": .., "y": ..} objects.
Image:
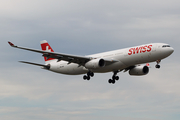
[{"x": 11, "y": 44}]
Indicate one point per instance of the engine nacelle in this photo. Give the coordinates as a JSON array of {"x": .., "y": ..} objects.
[
  {"x": 139, "y": 70},
  {"x": 95, "y": 63}
]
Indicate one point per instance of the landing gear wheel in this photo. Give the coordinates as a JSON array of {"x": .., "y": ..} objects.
[
  {"x": 158, "y": 66},
  {"x": 88, "y": 77},
  {"x": 91, "y": 74},
  {"x": 84, "y": 77},
  {"x": 113, "y": 81},
  {"x": 117, "y": 77},
  {"x": 114, "y": 77},
  {"x": 110, "y": 81}
]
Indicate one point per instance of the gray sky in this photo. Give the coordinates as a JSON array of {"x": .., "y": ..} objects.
[{"x": 85, "y": 27}]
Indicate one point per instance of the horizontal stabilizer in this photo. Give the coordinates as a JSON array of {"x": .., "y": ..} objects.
[
  {"x": 44, "y": 66},
  {"x": 11, "y": 44}
]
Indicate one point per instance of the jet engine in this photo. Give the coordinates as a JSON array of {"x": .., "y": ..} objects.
[
  {"x": 95, "y": 63},
  {"x": 139, "y": 70}
]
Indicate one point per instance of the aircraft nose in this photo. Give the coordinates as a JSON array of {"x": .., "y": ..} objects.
[{"x": 171, "y": 50}]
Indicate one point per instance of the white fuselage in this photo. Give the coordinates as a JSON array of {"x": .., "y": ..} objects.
[{"x": 125, "y": 58}]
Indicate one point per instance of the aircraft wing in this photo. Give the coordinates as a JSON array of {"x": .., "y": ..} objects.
[{"x": 81, "y": 60}]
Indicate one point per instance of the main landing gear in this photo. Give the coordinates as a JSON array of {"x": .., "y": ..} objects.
[
  {"x": 88, "y": 76},
  {"x": 114, "y": 78},
  {"x": 157, "y": 65}
]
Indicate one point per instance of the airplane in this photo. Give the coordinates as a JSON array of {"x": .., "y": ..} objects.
[{"x": 128, "y": 59}]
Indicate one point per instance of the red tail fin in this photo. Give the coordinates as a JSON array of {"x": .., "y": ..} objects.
[{"x": 46, "y": 47}]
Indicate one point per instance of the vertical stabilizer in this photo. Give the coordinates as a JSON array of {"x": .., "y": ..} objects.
[{"x": 46, "y": 47}]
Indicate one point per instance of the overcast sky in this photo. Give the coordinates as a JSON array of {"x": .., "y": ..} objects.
[{"x": 84, "y": 27}]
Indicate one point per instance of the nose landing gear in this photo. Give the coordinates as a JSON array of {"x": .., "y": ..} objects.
[{"x": 157, "y": 65}]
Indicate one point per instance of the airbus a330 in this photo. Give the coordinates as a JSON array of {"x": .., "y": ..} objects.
[{"x": 128, "y": 59}]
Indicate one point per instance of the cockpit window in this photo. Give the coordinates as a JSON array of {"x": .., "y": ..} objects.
[{"x": 166, "y": 46}]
